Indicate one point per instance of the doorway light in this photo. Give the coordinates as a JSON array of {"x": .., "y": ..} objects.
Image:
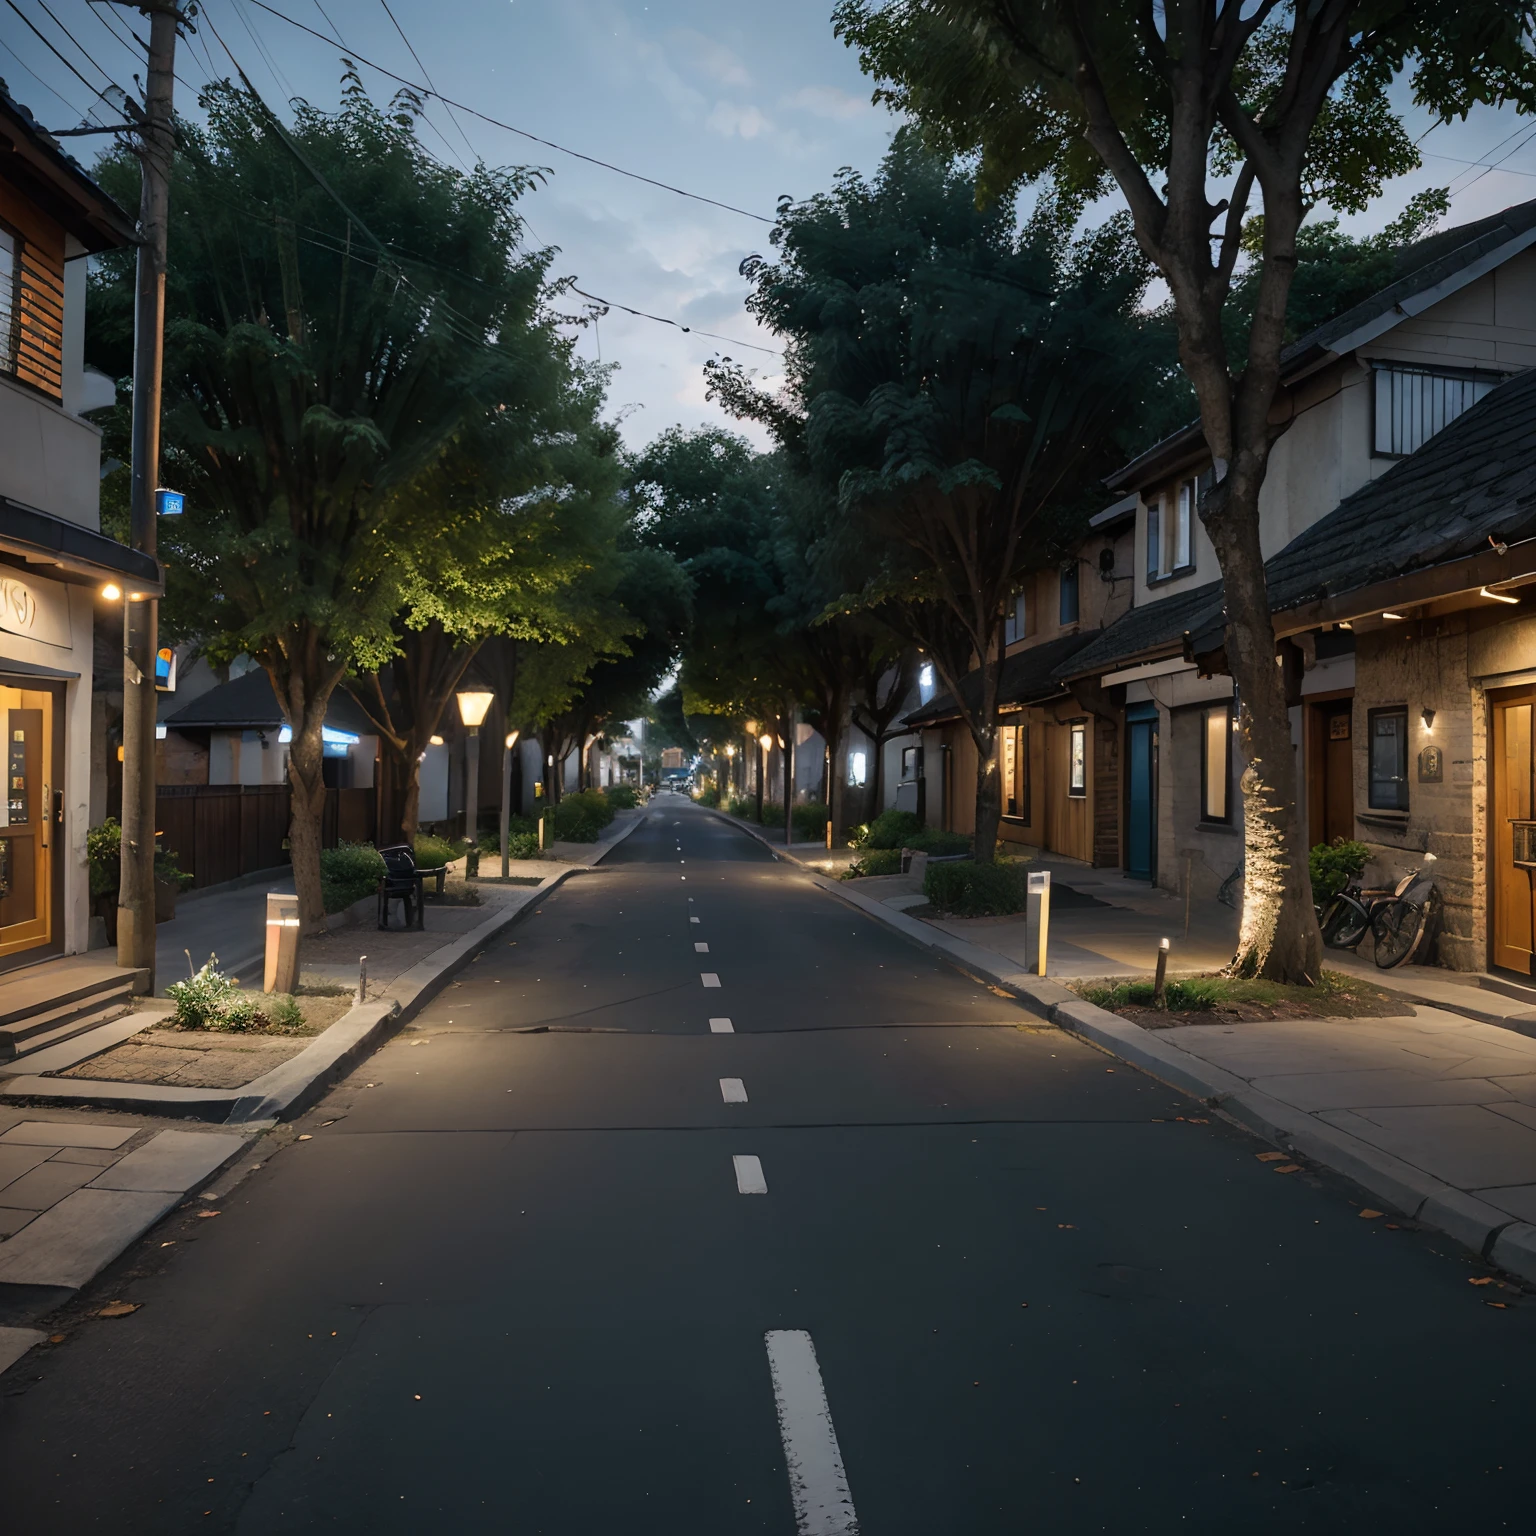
[{"x": 1499, "y": 597}]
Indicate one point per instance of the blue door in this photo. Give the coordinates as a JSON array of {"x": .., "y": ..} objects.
[{"x": 1141, "y": 779}]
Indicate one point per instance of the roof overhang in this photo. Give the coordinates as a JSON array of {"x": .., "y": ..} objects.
[
  {"x": 67, "y": 551},
  {"x": 33, "y": 162}
]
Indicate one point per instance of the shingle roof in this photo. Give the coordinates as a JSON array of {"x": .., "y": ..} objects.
[
  {"x": 1154, "y": 625},
  {"x": 1420, "y": 267},
  {"x": 1472, "y": 482},
  {"x": 247, "y": 703},
  {"x": 1027, "y": 676}
]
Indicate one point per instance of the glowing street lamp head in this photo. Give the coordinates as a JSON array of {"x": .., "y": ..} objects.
[
  {"x": 512, "y": 739},
  {"x": 767, "y": 741},
  {"x": 111, "y": 591},
  {"x": 474, "y": 706}
]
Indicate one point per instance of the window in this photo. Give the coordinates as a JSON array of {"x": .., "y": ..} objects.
[
  {"x": 1077, "y": 760},
  {"x": 1413, "y": 404},
  {"x": 1069, "y": 593},
  {"x": 1389, "y": 760},
  {"x": 1154, "y": 538},
  {"x": 858, "y": 769},
  {"x": 1014, "y": 626},
  {"x": 10, "y": 309},
  {"x": 925, "y": 681},
  {"x": 1216, "y": 763},
  {"x": 1016, "y": 771},
  {"x": 1171, "y": 528},
  {"x": 1179, "y": 544},
  {"x": 911, "y": 764}
]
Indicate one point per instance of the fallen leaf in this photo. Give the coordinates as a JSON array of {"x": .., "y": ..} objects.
[
  {"x": 1023, "y": 1303},
  {"x": 1480, "y": 1280},
  {"x": 1289, "y": 1168},
  {"x": 1392, "y": 1226},
  {"x": 56, "y": 1338},
  {"x": 1270, "y": 1157},
  {"x": 1503, "y": 1306},
  {"x": 1065, "y": 1226},
  {"x": 204, "y": 1215},
  {"x": 119, "y": 1308},
  {"x": 1369, "y": 1215},
  {"x": 306, "y": 1137},
  {"x": 1195, "y": 1120}
]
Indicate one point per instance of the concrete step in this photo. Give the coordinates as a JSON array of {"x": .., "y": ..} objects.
[
  {"x": 1508, "y": 987},
  {"x": 55, "y": 983},
  {"x": 75, "y": 1044},
  {"x": 79, "y": 1024},
  {"x": 48, "y": 1026}
]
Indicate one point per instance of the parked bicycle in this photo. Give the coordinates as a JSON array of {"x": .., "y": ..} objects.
[{"x": 1399, "y": 919}]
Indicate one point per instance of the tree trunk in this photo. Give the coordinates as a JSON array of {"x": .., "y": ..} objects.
[
  {"x": 989, "y": 805},
  {"x": 306, "y": 778}
]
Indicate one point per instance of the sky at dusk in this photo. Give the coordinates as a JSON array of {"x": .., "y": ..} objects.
[{"x": 742, "y": 103}]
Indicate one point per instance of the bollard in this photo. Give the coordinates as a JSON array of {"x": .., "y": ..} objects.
[
  {"x": 281, "y": 973},
  {"x": 829, "y": 837},
  {"x": 541, "y": 834},
  {"x": 1037, "y": 921},
  {"x": 1160, "y": 985},
  {"x": 362, "y": 980}
]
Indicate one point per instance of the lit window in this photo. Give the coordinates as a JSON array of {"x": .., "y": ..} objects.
[
  {"x": 1014, "y": 627},
  {"x": 925, "y": 682},
  {"x": 1413, "y": 404},
  {"x": 858, "y": 768},
  {"x": 1215, "y": 763},
  {"x": 1389, "y": 760},
  {"x": 1069, "y": 593},
  {"x": 1077, "y": 761},
  {"x": 1015, "y": 742},
  {"x": 1179, "y": 544},
  {"x": 911, "y": 763},
  {"x": 1171, "y": 528}
]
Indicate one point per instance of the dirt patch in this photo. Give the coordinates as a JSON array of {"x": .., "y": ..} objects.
[
  {"x": 1226, "y": 1000},
  {"x": 180, "y": 1058}
]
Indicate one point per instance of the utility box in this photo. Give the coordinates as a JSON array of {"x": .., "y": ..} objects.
[
  {"x": 1037, "y": 921},
  {"x": 282, "y": 968}
]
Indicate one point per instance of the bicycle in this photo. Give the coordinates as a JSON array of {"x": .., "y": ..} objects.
[{"x": 1398, "y": 919}]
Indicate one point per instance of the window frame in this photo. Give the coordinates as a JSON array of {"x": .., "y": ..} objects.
[
  {"x": 861, "y": 756},
  {"x": 1070, "y": 581},
  {"x": 1384, "y": 367},
  {"x": 1016, "y": 623},
  {"x": 10, "y": 329},
  {"x": 1017, "y": 791},
  {"x": 1207, "y": 715},
  {"x": 1154, "y": 539},
  {"x": 1077, "y": 763},
  {"x": 1400, "y": 712},
  {"x": 911, "y": 757}
]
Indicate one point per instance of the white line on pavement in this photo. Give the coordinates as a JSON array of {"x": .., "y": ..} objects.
[
  {"x": 818, "y": 1486},
  {"x": 721, "y": 1027},
  {"x": 749, "y": 1175},
  {"x": 733, "y": 1090},
  {"x": 710, "y": 979},
  {"x": 701, "y": 949},
  {"x": 692, "y": 919}
]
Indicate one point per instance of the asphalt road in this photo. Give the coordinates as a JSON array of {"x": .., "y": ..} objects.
[{"x": 510, "y": 1285}]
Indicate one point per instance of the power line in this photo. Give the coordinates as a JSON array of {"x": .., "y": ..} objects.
[
  {"x": 76, "y": 41},
  {"x": 751, "y": 346},
  {"x": 55, "y": 52},
  {"x": 521, "y": 132},
  {"x": 68, "y": 105},
  {"x": 428, "y": 78}
]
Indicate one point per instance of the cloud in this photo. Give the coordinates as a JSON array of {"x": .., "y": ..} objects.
[
  {"x": 737, "y": 119},
  {"x": 711, "y": 58},
  {"x": 826, "y": 101}
]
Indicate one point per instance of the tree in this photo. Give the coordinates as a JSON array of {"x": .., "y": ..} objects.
[
  {"x": 963, "y": 383},
  {"x": 1282, "y": 102},
  {"x": 342, "y": 311}
]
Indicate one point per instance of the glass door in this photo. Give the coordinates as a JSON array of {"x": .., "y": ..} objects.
[{"x": 26, "y": 821}]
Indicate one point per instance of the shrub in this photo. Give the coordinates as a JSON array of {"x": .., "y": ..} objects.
[
  {"x": 773, "y": 813},
  {"x": 743, "y": 809},
  {"x": 621, "y": 797},
  {"x": 522, "y": 845},
  {"x": 285, "y": 1015},
  {"x": 877, "y": 861},
  {"x": 435, "y": 852},
  {"x": 212, "y": 1000},
  {"x": 932, "y": 840},
  {"x": 968, "y": 889},
  {"x": 1333, "y": 865},
  {"x": 581, "y": 816},
  {"x": 709, "y": 795},
  {"x": 348, "y": 872},
  {"x": 811, "y": 821},
  {"x": 890, "y": 829},
  {"x": 104, "y": 851}
]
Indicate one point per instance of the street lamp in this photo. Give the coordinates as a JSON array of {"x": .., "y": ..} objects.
[
  {"x": 766, "y": 740},
  {"x": 506, "y": 799},
  {"x": 474, "y": 705}
]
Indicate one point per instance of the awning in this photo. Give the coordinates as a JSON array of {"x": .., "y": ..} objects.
[{"x": 74, "y": 552}]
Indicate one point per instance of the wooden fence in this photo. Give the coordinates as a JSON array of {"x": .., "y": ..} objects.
[{"x": 220, "y": 832}]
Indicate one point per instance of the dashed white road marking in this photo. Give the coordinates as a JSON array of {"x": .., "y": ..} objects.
[
  {"x": 701, "y": 949},
  {"x": 733, "y": 1090},
  {"x": 721, "y": 1027},
  {"x": 818, "y": 1485},
  {"x": 709, "y": 978},
  {"x": 692, "y": 919},
  {"x": 749, "y": 1175}
]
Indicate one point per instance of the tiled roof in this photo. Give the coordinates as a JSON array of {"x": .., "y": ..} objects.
[
  {"x": 1152, "y": 626},
  {"x": 1027, "y": 676},
  {"x": 247, "y": 703}
]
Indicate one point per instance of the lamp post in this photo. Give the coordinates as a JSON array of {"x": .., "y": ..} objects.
[
  {"x": 474, "y": 705},
  {"x": 506, "y": 800},
  {"x": 766, "y": 740}
]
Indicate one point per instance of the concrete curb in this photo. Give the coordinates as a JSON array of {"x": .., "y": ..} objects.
[
  {"x": 289, "y": 1089},
  {"x": 1488, "y": 1231}
]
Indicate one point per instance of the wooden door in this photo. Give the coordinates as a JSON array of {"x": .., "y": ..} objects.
[
  {"x": 26, "y": 824},
  {"x": 1141, "y": 799},
  {"x": 1331, "y": 778},
  {"x": 1512, "y": 831}
]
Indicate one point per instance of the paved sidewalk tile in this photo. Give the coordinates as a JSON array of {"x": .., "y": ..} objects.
[
  {"x": 67, "y": 1245},
  {"x": 15, "y": 1342},
  {"x": 15, "y": 1161},
  {"x": 1377, "y": 1088},
  {"x": 173, "y": 1160},
  {"x": 1467, "y": 1146},
  {"x": 1518, "y": 1199},
  {"x": 67, "y": 1133},
  {"x": 45, "y": 1185}
]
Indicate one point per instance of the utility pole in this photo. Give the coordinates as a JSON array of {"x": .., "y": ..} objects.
[{"x": 141, "y": 616}]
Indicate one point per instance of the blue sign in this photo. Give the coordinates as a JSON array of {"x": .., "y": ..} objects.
[{"x": 170, "y": 503}]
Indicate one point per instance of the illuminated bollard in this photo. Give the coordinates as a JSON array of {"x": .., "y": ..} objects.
[
  {"x": 1037, "y": 921},
  {"x": 282, "y": 968}
]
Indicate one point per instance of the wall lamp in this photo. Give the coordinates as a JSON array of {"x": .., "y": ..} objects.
[
  {"x": 1427, "y": 715},
  {"x": 111, "y": 591},
  {"x": 1499, "y": 597}
]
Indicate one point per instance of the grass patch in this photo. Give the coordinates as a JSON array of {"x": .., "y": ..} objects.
[
  {"x": 874, "y": 861},
  {"x": 1335, "y": 996}
]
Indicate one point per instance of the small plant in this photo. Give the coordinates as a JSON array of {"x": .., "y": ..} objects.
[
  {"x": 349, "y": 872},
  {"x": 773, "y": 813},
  {"x": 581, "y": 817},
  {"x": 621, "y": 797},
  {"x": 742, "y": 807},
  {"x": 1334, "y": 865},
  {"x": 104, "y": 852},
  {"x": 968, "y": 889},
  {"x": 435, "y": 852},
  {"x": 284, "y": 1015},
  {"x": 810, "y": 821},
  {"x": 709, "y": 795},
  {"x": 877, "y": 861},
  {"x": 201, "y": 999},
  {"x": 890, "y": 829}
]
